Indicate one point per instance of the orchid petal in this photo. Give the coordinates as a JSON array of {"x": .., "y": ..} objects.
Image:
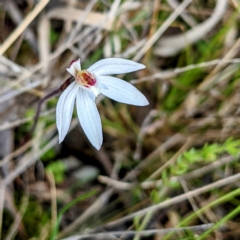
[
  {"x": 89, "y": 118},
  {"x": 114, "y": 66},
  {"x": 89, "y": 92},
  {"x": 122, "y": 91},
  {"x": 102, "y": 86},
  {"x": 75, "y": 67},
  {"x": 64, "y": 109}
]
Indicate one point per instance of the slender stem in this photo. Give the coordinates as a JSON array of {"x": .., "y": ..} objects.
[
  {"x": 48, "y": 96},
  {"x": 41, "y": 101}
]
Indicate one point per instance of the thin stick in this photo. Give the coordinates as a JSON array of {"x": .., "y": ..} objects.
[
  {"x": 22, "y": 26},
  {"x": 48, "y": 96},
  {"x": 171, "y": 73},
  {"x": 131, "y": 233}
]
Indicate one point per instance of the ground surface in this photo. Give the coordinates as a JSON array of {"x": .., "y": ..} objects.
[{"x": 169, "y": 170}]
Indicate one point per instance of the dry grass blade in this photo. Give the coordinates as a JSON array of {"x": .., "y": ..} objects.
[
  {"x": 44, "y": 46},
  {"x": 27, "y": 20},
  {"x": 17, "y": 17},
  {"x": 176, "y": 71},
  {"x": 162, "y": 29},
  {"x": 170, "y": 46},
  {"x": 177, "y": 199},
  {"x": 72, "y": 14},
  {"x": 129, "y": 233},
  {"x": 18, "y": 219},
  {"x": 147, "y": 184},
  {"x": 171, "y": 161}
]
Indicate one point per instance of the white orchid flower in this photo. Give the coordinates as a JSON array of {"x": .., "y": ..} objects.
[{"x": 87, "y": 86}]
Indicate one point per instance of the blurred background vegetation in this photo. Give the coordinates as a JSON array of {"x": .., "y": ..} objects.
[{"x": 169, "y": 170}]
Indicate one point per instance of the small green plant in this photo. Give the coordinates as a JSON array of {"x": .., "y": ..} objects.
[
  {"x": 57, "y": 168},
  {"x": 209, "y": 153}
]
